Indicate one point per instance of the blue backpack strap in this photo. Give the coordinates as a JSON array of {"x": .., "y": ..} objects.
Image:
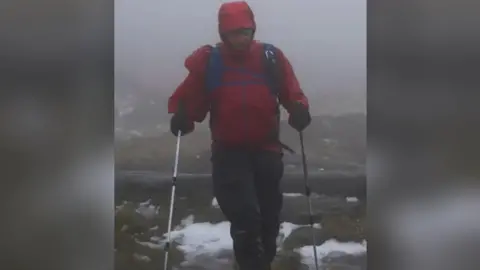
[
  {"x": 213, "y": 77},
  {"x": 272, "y": 68}
]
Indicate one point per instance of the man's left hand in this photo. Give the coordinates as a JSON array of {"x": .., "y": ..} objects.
[{"x": 299, "y": 117}]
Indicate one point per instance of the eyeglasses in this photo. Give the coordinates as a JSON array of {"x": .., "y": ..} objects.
[{"x": 241, "y": 31}]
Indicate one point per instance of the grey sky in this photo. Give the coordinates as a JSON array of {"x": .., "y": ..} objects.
[{"x": 325, "y": 40}]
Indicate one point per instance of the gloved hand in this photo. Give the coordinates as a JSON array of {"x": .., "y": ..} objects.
[
  {"x": 299, "y": 117},
  {"x": 180, "y": 122}
]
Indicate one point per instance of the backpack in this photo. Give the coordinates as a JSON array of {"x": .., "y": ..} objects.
[
  {"x": 272, "y": 69},
  {"x": 273, "y": 76}
]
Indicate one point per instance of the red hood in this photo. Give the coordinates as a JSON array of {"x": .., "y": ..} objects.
[{"x": 235, "y": 15}]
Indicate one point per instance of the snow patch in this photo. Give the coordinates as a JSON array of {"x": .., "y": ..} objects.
[
  {"x": 155, "y": 239},
  {"x": 352, "y": 199},
  {"x": 313, "y": 195},
  {"x": 292, "y": 194},
  {"x": 120, "y": 207},
  {"x": 149, "y": 244},
  {"x": 146, "y": 203},
  {"x": 331, "y": 247},
  {"x": 141, "y": 258},
  {"x": 286, "y": 228},
  {"x": 186, "y": 222},
  {"x": 148, "y": 210},
  {"x": 125, "y": 111},
  {"x": 215, "y": 203},
  {"x": 207, "y": 239},
  {"x": 202, "y": 239}
]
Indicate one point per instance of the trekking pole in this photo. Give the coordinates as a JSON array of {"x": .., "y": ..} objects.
[
  {"x": 172, "y": 199},
  {"x": 307, "y": 194}
]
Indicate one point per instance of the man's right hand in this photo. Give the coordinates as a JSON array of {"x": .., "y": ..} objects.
[{"x": 180, "y": 123}]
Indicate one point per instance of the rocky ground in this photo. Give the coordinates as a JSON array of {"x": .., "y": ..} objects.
[
  {"x": 331, "y": 143},
  {"x": 201, "y": 238}
]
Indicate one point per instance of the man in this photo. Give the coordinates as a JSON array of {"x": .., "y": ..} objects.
[{"x": 246, "y": 158}]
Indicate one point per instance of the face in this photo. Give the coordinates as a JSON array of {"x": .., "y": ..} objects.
[{"x": 239, "y": 39}]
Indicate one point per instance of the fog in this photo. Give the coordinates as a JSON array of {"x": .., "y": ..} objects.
[{"x": 324, "y": 40}]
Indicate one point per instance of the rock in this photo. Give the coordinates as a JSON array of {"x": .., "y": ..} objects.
[
  {"x": 340, "y": 227},
  {"x": 204, "y": 262},
  {"x": 287, "y": 260},
  {"x": 124, "y": 261},
  {"x": 344, "y": 228},
  {"x": 303, "y": 237},
  {"x": 129, "y": 221},
  {"x": 339, "y": 266},
  {"x": 124, "y": 242},
  {"x": 295, "y": 209},
  {"x": 135, "y": 220},
  {"x": 141, "y": 258},
  {"x": 342, "y": 259}
]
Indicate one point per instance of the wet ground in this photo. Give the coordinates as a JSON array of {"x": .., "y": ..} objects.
[{"x": 201, "y": 235}]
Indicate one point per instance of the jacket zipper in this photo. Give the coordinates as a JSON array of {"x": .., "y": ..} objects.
[{"x": 245, "y": 110}]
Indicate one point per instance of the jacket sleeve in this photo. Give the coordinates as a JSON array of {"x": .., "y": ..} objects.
[
  {"x": 191, "y": 91},
  {"x": 291, "y": 92}
]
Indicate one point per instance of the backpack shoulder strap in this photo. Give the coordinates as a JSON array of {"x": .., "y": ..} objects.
[
  {"x": 273, "y": 68},
  {"x": 213, "y": 75},
  {"x": 274, "y": 78}
]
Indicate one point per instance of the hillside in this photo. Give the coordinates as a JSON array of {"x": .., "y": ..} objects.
[
  {"x": 331, "y": 142},
  {"x": 142, "y": 112}
]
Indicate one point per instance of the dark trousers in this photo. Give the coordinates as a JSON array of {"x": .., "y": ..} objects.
[{"x": 247, "y": 187}]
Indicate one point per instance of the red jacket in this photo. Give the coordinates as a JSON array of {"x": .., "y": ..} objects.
[{"x": 243, "y": 114}]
